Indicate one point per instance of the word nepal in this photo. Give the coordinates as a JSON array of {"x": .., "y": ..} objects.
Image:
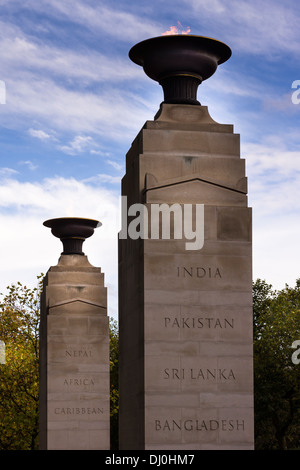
[{"x": 159, "y": 221}]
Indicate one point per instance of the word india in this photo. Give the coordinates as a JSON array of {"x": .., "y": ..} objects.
[{"x": 158, "y": 221}]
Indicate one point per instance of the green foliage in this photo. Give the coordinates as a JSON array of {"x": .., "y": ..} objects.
[
  {"x": 19, "y": 379},
  {"x": 277, "y": 379}
]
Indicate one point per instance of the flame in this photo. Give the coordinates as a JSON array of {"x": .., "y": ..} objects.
[{"x": 177, "y": 30}]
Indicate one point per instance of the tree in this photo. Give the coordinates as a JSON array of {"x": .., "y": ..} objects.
[
  {"x": 19, "y": 374},
  {"x": 277, "y": 378}
]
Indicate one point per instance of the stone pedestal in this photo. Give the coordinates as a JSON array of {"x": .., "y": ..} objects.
[
  {"x": 186, "y": 361},
  {"x": 74, "y": 357}
]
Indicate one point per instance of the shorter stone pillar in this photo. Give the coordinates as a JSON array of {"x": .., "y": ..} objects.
[{"x": 74, "y": 347}]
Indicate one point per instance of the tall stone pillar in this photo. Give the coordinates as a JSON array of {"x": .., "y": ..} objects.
[
  {"x": 185, "y": 316},
  {"x": 74, "y": 347}
]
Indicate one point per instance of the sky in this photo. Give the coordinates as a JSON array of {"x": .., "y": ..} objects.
[{"x": 72, "y": 102}]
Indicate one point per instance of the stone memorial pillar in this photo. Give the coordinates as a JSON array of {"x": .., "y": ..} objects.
[
  {"x": 74, "y": 347},
  {"x": 185, "y": 310}
]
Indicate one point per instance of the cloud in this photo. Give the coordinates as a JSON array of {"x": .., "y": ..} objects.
[
  {"x": 7, "y": 172},
  {"x": 66, "y": 68},
  {"x": 231, "y": 82},
  {"x": 19, "y": 52},
  {"x": 28, "y": 248},
  {"x": 59, "y": 195},
  {"x": 79, "y": 144},
  {"x": 273, "y": 172},
  {"x": 115, "y": 165},
  {"x": 272, "y": 156},
  {"x": 39, "y": 134},
  {"x": 117, "y": 22},
  {"x": 99, "y": 152},
  {"x": 59, "y": 87},
  {"x": 29, "y": 164},
  {"x": 281, "y": 103},
  {"x": 74, "y": 110},
  {"x": 265, "y": 28},
  {"x": 276, "y": 247},
  {"x": 103, "y": 178}
]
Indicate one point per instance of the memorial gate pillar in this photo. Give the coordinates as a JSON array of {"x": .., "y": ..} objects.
[
  {"x": 185, "y": 300},
  {"x": 74, "y": 347}
]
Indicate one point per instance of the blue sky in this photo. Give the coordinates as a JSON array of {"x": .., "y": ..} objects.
[{"x": 75, "y": 102}]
